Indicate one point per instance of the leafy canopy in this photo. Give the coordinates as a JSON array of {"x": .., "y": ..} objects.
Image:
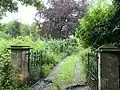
[
  {"x": 11, "y": 5},
  {"x": 15, "y": 28},
  {"x": 97, "y": 26},
  {"x": 61, "y": 18}
]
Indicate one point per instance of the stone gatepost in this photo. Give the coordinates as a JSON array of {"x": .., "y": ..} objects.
[
  {"x": 108, "y": 68},
  {"x": 20, "y": 62}
]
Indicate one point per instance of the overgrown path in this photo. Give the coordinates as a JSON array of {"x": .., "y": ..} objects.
[
  {"x": 80, "y": 82},
  {"x": 67, "y": 75},
  {"x": 51, "y": 76},
  {"x": 46, "y": 83}
]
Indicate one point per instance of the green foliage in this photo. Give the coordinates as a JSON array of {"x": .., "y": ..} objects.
[
  {"x": 14, "y": 29},
  {"x": 89, "y": 61},
  {"x": 18, "y": 34},
  {"x": 46, "y": 68},
  {"x": 96, "y": 3},
  {"x": 52, "y": 53},
  {"x": 36, "y": 3},
  {"x": 93, "y": 70},
  {"x": 4, "y": 69},
  {"x": 65, "y": 75},
  {"x": 11, "y": 5},
  {"x": 96, "y": 28},
  {"x": 84, "y": 58},
  {"x": 65, "y": 46},
  {"x": 99, "y": 26},
  {"x": 7, "y": 79}
]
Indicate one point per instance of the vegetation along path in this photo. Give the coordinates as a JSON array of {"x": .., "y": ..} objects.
[
  {"x": 41, "y": 85},
  {"x": 67, "y": 75}
]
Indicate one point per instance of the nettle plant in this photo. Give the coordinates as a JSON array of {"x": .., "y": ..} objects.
[{"x": 8, "y": 79}]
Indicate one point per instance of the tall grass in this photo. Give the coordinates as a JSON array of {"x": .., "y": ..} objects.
[{"x": 55, "y": 51}]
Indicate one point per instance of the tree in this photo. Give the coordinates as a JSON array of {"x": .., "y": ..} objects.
[
  {"x": 95, "y": 3},
  {"x": 11, "y": 5},
  {"x": 100, "y": 26},
  {"x": 15, "y": 28},
  {"x": 95, "y": 29},
  {"x": 61, "y": 18}
]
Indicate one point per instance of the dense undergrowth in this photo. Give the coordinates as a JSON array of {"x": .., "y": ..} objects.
[
  {"x": 89, "y": 60},
  {"x": 53, "y": 51}
]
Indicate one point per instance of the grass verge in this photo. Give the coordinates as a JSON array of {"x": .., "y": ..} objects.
[{"x": 66, "y": 74}]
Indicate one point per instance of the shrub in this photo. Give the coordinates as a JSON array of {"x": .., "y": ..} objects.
[
  {"x": 7, "y": 78},
  {"x": 52, "y": 53},
  {"x": 84, "y": 58},
  {"x": 97, "y": 27}
]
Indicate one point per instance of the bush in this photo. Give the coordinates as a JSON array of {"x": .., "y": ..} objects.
[
  {"x": 52, "y": 53},
  {"x": 84, "y": 58},
  {"x": 7, "y": 78},
  {"x": 97, "y": 27}
]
